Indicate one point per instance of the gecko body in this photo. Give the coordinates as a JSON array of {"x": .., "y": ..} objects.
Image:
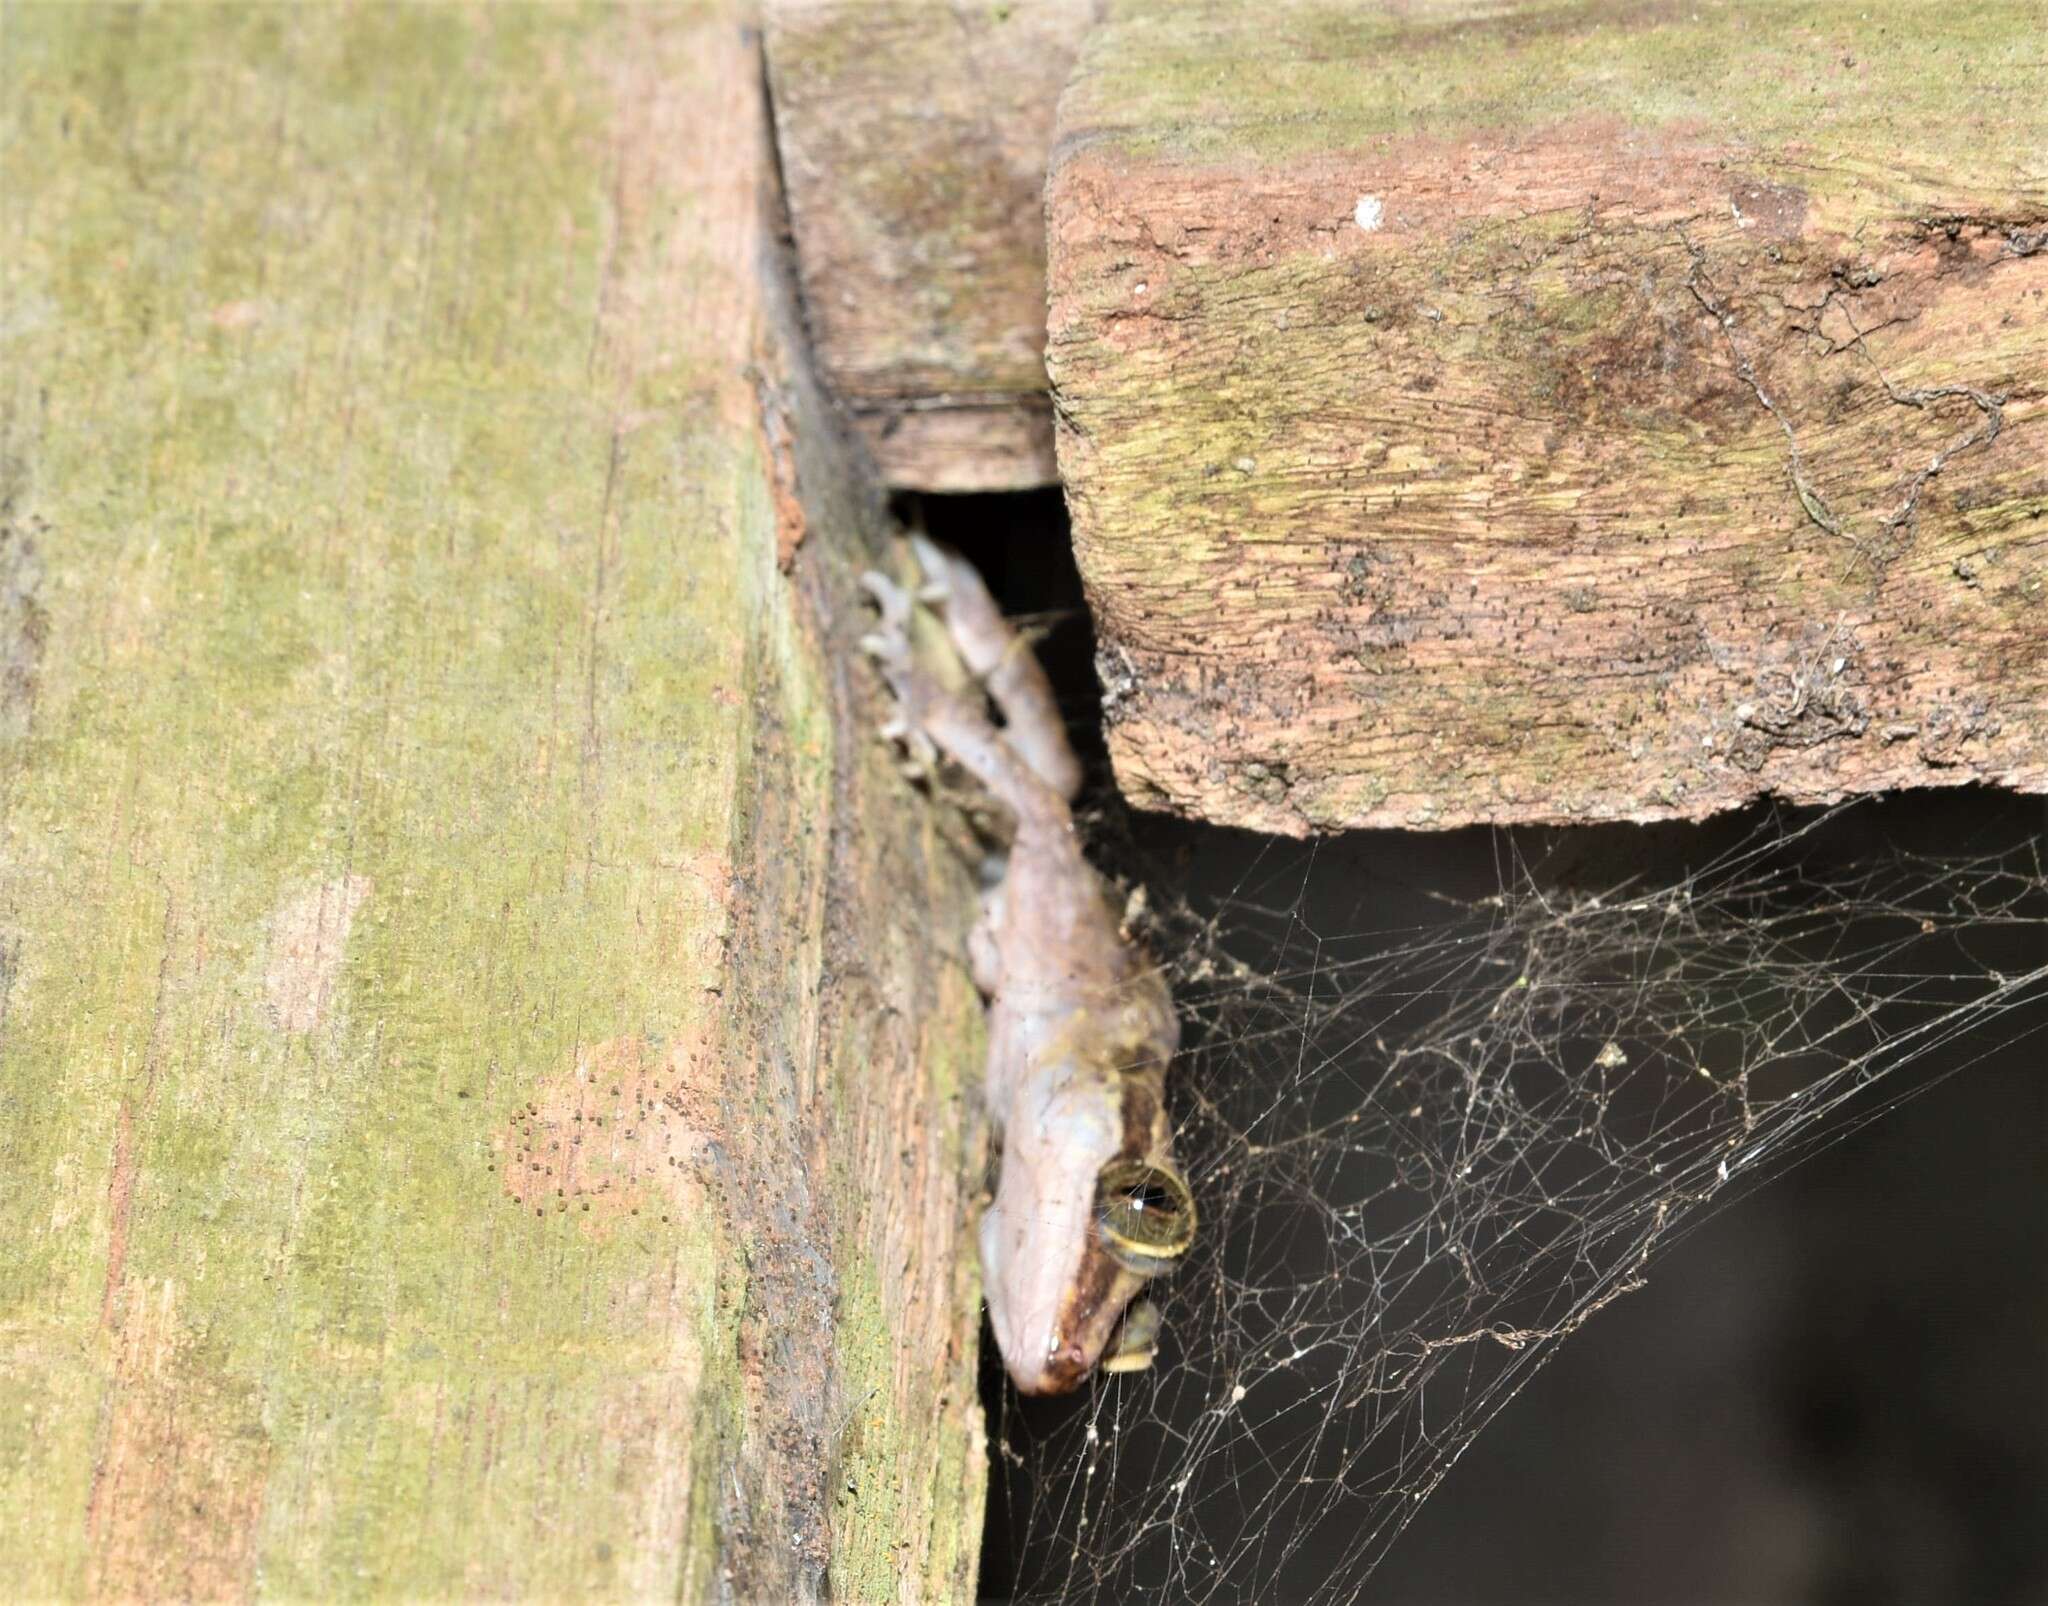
[{"x": 1088, "y": 1204}]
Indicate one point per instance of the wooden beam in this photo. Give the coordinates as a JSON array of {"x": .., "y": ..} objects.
[
  {"x": 483, "y": 1026},
  {"x": 1572, "y": 411},
  {"x": 913, "y": 138}
]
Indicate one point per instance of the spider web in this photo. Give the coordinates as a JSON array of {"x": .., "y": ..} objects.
[{"x": 1425, "y": 1153}]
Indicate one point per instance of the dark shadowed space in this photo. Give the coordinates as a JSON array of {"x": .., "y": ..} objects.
[{"x": 1833, "y": 1391}]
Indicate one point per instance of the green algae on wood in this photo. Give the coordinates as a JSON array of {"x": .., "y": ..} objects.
[
  {"x": 1561, "y": 411},
  {"x": 431, "y": 813}
]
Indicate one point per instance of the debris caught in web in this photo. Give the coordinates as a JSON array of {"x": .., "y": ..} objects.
[{"x": 1424, "y": 1154}]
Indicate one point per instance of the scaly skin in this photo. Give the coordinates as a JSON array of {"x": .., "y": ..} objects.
[{"x": 1081, "y": 1025}]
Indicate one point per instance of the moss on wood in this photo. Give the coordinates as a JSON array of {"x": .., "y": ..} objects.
[
  {"x": 1577, "y": 411},
  {"x": 430, "y": 815}
]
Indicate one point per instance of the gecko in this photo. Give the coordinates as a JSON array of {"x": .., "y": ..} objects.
[{"x": 1089, "y": 1205}]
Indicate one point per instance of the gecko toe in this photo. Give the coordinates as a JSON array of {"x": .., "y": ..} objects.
[
  {"x": 920, "y": 753},
  {"x": 935, "y": 588},
  {"x": 890, "y": 599},
  {"x": 932, "y": 558}
]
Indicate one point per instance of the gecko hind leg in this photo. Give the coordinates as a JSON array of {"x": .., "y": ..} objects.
[
  {"x": 954, "y": 724},
  {"x": 1001, "y": 660}
]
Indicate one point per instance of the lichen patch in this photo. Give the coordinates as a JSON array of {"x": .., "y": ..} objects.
[
  {"x": 308, "y": 939},
  {"x": 625, "y": 1131}
]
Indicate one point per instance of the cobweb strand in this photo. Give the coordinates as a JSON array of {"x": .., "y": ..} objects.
[{"x": 1424, "y": 1155}]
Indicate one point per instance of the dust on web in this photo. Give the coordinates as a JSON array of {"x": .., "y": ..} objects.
[{"x": 1425, "y": 1153}]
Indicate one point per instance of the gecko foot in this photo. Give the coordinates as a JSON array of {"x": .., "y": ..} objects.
[
  {"x": 1001, "y": 659},
  {"x": 942, "y": 698},
  {"x": 890, "y": 648}
]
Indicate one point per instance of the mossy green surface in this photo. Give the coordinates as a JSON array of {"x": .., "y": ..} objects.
[
  {"x": 1496, "y": 356},
  {"x": 378, "y": 548},
  {"x": 1875, "y": 94}
]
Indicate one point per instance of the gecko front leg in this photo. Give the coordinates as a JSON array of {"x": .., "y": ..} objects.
[{"x": 1089, "y": 1204}]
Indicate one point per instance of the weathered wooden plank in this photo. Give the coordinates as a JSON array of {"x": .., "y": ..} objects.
[
  {"x": 1559, "y": 411},
  {"x": 479, "y": 1066},
  {"x": 914, "y": 137}
]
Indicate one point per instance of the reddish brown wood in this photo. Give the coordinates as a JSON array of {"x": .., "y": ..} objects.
[{"x": 1625, "y": 412}]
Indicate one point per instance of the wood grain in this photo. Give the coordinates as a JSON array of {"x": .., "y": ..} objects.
[
  {"x": 914, "y": 137},
  {"x": 482, "y": 1029},
  {"x": 1577, "y": 411}
]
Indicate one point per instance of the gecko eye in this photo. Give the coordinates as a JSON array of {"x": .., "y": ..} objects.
[{"x": 1145, "y": 1214}]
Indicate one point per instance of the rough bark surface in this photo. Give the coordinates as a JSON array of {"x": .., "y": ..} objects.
[
  {"x": 483, "y": 1026},
  {"x": 914, "y": 137},
  {"x": 1592, "y": 410}
]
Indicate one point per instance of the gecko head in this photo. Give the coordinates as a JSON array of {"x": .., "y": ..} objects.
[{"x": 1089, "y": 1208}]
